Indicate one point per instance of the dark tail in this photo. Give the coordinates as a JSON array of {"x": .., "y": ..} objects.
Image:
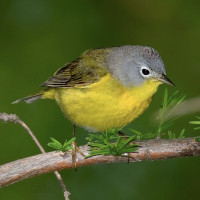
[{"x": 29, "y": 99}]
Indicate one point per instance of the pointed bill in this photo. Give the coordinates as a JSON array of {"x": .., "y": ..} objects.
[{"x": 166, "y": 80}]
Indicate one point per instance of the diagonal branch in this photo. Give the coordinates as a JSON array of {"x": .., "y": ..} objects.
[
  {"x": 157, "y": 149},
  {"x": 15, "y": 119}
]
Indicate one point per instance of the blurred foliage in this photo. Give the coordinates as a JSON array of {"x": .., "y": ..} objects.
[
  {"x": 37, "y": 37},
  {"x": 163, "y": 123},
  {"x": 196, "y": 123}
]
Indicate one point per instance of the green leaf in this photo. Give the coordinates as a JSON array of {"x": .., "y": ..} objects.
[
  {"x": 93, "y": 144},
  {"x": 194, "y": 122},
  {"x": 55, "y": 144},
  {"x": 110, "y": 144},
  {"x": 69, "y": 142},
  {"x": 197, "y": 139},
  {"x": 169, "y": 103},
  {"x": 182, "y": 134},
  {"x": 58, "y": 146},
  {"x": 125, "y": 142},
  {"x": 135, "y": 131},
  {"x": 119, "y": 141},
  {"x": 68, "y": 145},
  {"x": 165, "y": 99},
  {"x": 149, "y": 135},
  {"x": 170, "y": 135}
]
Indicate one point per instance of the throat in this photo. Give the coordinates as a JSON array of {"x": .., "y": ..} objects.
[{"x": 146, "y": 90}]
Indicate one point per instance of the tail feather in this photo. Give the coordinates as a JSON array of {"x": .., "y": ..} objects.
[{"x": 29, "y": 99}]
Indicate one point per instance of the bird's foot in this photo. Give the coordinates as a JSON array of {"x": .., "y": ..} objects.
[
  {"x": 128, "y": 155},
  {"x": 75, "y": 150},
  {"x": 122, "y": 134}
]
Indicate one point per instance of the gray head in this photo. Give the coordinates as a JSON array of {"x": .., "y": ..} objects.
[{"x": 133, "y": 65}]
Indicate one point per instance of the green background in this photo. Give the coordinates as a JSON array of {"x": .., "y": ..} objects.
[{"x": 39, "y": 36}]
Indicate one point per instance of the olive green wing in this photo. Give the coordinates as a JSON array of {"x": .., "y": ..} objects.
[{"x": 75, "y": 74}]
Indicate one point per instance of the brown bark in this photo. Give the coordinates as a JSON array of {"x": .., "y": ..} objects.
[{"x": 156, "y": 149}]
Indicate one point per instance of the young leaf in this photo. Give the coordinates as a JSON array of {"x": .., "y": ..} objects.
[
  {"x": 58, "y": 146},
  {"x": 182, "y": 134},
  {"x": 55, "y": 144},
  {"x": 196, "y": 123},
  {"x": 110, "y": 144},
  {"x": 197, "y": 139},
  {"x": 68, "y": 145}
]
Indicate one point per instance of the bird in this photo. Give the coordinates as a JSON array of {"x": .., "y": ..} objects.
[{"x": 105, "y": 88}]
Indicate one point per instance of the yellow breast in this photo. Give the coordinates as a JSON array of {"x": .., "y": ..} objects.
[{"x": 106, "y": 104}]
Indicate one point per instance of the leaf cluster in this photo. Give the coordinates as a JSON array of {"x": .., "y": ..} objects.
[
  {"x": 142, "y": 136},
  {"x": 61, "y": 147},
  {"x": 172, "y": 135},
  {"x": 169, "y": 104},
  {"x": 110, "y": 143}
]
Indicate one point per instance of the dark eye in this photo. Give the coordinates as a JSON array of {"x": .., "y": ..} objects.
[{"x": 145, "y": 72}]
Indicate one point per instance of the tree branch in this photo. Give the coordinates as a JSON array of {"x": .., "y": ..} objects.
[
  {"x": 15, "y": 119},
  {"x": 157, "y": 149}
]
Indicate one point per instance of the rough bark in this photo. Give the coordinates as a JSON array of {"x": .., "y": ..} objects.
[{"x": 157, "y": 149}]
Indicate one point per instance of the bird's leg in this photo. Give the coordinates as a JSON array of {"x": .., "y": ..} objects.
[
  {"x": 75, "y": 148},
  {"x": 124, "y": 138},
  {"x": 121, "y": 134}
]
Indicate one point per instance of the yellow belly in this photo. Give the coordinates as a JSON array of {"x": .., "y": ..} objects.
[{"x": 106, "y": 104}]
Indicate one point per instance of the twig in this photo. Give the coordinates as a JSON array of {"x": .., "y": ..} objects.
[
  {"x": 157, "y": 149},
  {"x": 15, "y": 119}
]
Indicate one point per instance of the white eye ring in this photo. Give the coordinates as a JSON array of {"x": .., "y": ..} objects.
[{"x": 145, "y": 72}]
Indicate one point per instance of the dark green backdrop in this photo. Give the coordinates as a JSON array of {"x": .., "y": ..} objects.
[{"x": 39, "y": 36}]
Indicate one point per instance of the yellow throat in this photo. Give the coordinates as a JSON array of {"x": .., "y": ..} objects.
[{"x": 105, "y": 104}]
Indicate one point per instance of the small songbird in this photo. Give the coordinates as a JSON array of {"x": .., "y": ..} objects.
[{"x": 105, "y": 88}]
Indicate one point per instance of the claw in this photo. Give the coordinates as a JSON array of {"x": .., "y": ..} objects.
[
  {"x": 75, "y": 150},
  {"x": 124, "y": 135}
]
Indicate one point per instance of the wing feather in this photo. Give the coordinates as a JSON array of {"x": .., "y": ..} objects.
[{"x": 75, "y": 74}]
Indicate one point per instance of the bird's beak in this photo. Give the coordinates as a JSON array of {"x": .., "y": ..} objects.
[{"x": 164, "y": 79}]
